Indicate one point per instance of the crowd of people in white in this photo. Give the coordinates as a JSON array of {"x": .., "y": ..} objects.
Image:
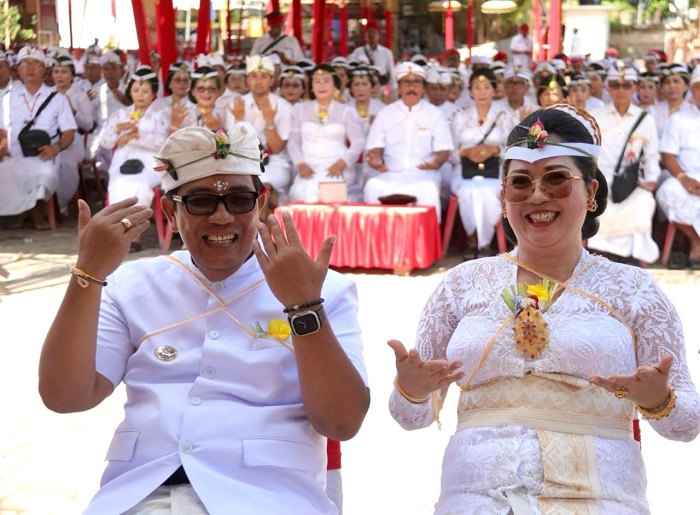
[{"x": 423, "y": 128}]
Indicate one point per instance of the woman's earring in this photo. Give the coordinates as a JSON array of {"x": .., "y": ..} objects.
[
  {"x": 505, "y": 215},
  {"x": 592, "y": 204}
]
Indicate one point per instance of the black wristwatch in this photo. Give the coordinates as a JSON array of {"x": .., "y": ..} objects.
[{"x": 307, "y": 322}]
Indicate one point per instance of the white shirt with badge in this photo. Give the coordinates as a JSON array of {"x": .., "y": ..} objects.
[{"x": 211, "y": 392}]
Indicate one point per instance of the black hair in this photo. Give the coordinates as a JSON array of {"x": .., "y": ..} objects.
[
  {"x": 66, "y": 62},
  {"x": 362, "y": 71},
  {"x": 565, "y": 128},
  {"x": 181, "y": 67},
  {"x": 203, "y": 70},
  {"x": 544, "y": 83},
  {"x": 153, "y": 81},
  {"x": 326, "y": 68},
  {"x": 483, "y": 72}
]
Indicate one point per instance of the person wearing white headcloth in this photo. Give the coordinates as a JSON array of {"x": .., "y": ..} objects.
[
  {"x": 517, "y": 103},
  {"x": 552, "y": 349},
  {"x": 271, "y": 116},
  {"x": 407, "y": 144},
  {"x": 625, "y": 227},
  {"x": 6, "y": 81},
  {"x": 228, "y": 350},
  {"x": 679, "y": 195},
  {"x": 29, "y": 178},
  {"x": 136, "y": 133}
]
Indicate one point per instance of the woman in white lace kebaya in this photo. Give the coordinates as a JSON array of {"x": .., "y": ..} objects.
[{"x": 553, "y": 348}]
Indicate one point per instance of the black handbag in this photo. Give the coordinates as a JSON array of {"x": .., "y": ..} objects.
[
  {"x": 625, "y": 181},
  {"x": 131, "y": 167},
  {"x": 31, "y": 141},
  {"x": 490, "y": 169}
]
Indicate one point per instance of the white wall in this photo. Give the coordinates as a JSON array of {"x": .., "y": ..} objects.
[{"x": 593, "y": 27}]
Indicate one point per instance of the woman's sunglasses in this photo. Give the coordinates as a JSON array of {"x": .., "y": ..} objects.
[{"x": 555, "y": 184}]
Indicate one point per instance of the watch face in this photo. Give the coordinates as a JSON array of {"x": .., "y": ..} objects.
[{"x": 305, "y": 323}]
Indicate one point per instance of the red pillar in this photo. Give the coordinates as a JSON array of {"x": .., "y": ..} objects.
[
  {"x": 296, "y": 22},
  {"x": 142, "y": 32},
  {"x": 388, "y": 29},
  {"x": 554, "y": 36},
  {"x": 319, "y": 24},
  {"x": 449, "y": 27},
  {"x": 344, "y": 30},
  {"x": 229, "y": 44},
  {"x": 203, "y": 28},
  {"x": 274, "y": 5},
  {"x": 470, "y": 26},
  {"x": 537, "y": 50},
  {"x": 165, "y": 35}
]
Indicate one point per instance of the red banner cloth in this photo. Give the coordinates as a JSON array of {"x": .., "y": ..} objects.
[
  {"x": 203, "y": 27},
  {"x": 369, "y": 235},
  {"x": 333, "y": 453}
]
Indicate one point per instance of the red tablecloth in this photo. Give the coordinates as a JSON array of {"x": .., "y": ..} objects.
[{"x": 369, "y": 235}]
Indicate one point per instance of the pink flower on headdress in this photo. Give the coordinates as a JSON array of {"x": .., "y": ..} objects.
[
  {"x": 222, "y": 144},
  {"x": 537, "y": 135}
]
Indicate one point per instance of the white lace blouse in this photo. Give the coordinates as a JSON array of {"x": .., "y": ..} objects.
[{"x": 482, "y": 464}]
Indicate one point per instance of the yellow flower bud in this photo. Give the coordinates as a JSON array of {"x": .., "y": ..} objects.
[
  {"x": 279, "y": 328},
  {"x": 539, "y": 291}
]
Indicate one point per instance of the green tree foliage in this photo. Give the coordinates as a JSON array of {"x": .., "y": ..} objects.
[{"x": 11, "y": 22}]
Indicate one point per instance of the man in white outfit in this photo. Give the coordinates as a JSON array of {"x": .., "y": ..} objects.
[
  {"x": 274, "y": 41},
  {"x": 521, "y": 48},
  {"x": 271, "y": 116},
  {"x": 625, "y": 227},
  {"x": 228, "y": 351},
  {"x": 374, "y": 54},
  {"x": 407, "y": 143}
]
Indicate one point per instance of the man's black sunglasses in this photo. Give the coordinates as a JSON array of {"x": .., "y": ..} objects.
[{"x": 204, "y": 204}]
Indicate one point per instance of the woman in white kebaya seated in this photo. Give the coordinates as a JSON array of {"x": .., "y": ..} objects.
[{"x": 326, "y": 139}]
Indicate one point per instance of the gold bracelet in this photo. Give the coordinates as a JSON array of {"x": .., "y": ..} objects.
[
  {"x": 661, "y": 411},
  {"x": 681, "y": 175},
  {"x": 84, "y": 279},
  {"x": 414, "y": 400}
]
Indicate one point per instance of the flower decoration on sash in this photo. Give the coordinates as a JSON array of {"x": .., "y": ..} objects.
[
  {"x": 321, "y": 116},
  {"x": 528, "y": 302},
  {"x": 136, "y": 115},
  {"x": 537, "y": 136},
  {"x": 277, "y": 329}
]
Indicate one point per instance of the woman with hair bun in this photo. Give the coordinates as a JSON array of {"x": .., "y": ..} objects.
[
  {"x": 553, "y": 348},
  {"x": 136, "y": 133}
]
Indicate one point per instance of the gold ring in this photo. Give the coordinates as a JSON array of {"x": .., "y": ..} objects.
[
  {"x": 621, "y": 392},
  {"x": 126, "y": 223}
]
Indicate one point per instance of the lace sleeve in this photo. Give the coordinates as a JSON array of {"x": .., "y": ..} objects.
[
  {"x": 437, "y": 322},
  {"x": 659, "y": 333}
]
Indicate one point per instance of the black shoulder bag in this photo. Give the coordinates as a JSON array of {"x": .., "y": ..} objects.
[
  {"x": 32, "y": 140},
  {"x": 489, "y": 168},
  {"x": 384, "y": 77},
  {"x": 625, "y": 181},
  {"x": 272, "y": 45}
]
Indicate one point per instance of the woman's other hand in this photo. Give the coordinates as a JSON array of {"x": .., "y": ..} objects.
[
  {"x": 305, "y": 171},
  {"x": 337, "y": 169},
  {"x": 419, "y": 378},
  {"x": 647, "y": 387}
]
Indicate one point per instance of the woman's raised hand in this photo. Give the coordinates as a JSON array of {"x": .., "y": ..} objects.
[{"x": 420, "y": 378}]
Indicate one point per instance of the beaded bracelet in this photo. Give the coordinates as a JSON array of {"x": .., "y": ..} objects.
[
  {"x": 84, "y": 279},
  {"x": 662, "y": 411},
  {"x": 297, "y": 307},
  {"x": 409, "y": 398}
]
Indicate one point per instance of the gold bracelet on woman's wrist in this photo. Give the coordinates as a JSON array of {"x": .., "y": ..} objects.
[
  {"x": 681, "y": 175},
  {"x": 663, "y": 410},
  {"x": 413, "y": 400}
]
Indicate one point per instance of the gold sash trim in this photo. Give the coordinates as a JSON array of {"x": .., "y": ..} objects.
[{"x": 553, "y": 402}]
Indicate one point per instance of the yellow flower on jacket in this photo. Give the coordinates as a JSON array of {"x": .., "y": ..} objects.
[
  {"x": 539, "y": 290},
  {"x": 279, "y": 328}
]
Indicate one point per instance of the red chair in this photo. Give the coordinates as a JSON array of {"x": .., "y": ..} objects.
[
  {"x": 668, "y": 243},
  {"x": 450, "y": 217},
  {"x": 165, "y": 232}
]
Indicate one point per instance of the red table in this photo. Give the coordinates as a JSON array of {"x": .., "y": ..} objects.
[{"x": 398, "y": 238}]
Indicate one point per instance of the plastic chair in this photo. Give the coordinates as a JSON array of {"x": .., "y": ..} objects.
[{"x": 450, "y": 217}]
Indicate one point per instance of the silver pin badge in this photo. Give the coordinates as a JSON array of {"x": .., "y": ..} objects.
[{"x": 165, "y": 353}]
